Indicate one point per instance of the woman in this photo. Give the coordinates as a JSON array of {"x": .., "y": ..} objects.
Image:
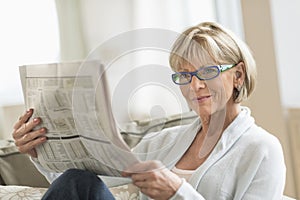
[{"x": 222, "y": 155}]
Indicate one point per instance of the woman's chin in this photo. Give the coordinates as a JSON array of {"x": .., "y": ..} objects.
[
  {"x": 208, "y": 109},
  {"x": 203, "y": 110}
]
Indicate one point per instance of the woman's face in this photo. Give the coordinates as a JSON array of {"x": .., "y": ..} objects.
[{"x": 210, "y": 96}]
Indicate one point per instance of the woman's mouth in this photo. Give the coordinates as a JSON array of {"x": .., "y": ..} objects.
[{"x": 202, "y": 99}]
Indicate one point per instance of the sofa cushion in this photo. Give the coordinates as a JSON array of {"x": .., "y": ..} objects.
[
  {"x": 17, "y": 169},
  {"x": 123, "y": 192},
  {"x": 21, "y": 192}
]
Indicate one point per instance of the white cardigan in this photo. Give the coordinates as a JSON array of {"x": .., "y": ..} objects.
[{"x": 247, "y": 163}]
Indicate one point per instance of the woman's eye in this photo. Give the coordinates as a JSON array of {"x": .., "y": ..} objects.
[
  {"x": 184, "y": 75},
  {"x": 209, "y": 70}
]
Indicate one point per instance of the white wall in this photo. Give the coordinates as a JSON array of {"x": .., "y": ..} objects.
[
  {"x": 84, "y": 25},
  {"x": 29, "y": 34},
  {"x": 229, "y": 14},
  {"x": 286, "y": 17},
  {"x": 104, "y": 20}
]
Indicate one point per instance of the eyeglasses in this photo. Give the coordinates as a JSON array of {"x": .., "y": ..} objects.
[{"x": 204, "y": 73}]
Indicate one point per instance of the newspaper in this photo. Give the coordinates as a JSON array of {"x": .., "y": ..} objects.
[{"x": 73, "y": 102}]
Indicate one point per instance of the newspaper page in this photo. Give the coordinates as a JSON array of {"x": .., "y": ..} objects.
[{"x": 74, "y": 104}]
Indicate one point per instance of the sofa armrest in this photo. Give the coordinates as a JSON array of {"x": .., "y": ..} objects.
[
  {"x": 17, "y": 169},
  {"x": 123, "y": 192}
]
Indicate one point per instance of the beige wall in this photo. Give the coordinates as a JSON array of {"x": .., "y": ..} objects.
[
  {"x": 265, "y": 103},
  {"x": 294, "y": 134}
]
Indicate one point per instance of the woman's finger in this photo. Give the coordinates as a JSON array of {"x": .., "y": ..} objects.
[
  {"x": 30, "y": 136},
  {"x": 28, "y": 147},
  {"x": 25, "y": 128},
  {"x": 23, "y": 119},
  {"x": 140, "y": 177}
]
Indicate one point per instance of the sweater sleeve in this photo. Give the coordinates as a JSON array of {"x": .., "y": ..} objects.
[
  {"x": 269, "y": 180},
  {"x": 186, "y": 192}
]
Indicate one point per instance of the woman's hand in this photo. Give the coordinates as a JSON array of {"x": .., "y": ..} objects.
[
  {"x": 25, "y": 139},
  {"x": 154, "y": 179}
]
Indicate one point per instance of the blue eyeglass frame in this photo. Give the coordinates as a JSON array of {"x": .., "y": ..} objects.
[{"x": 221, "y": 68}]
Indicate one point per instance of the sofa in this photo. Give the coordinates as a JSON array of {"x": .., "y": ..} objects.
[{"x": 19, "y": 179}]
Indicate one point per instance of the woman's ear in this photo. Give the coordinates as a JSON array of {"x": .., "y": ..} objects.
[{"x": 239, "y": 75}]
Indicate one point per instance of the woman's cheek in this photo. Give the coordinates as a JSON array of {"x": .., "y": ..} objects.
[{"x": 184, "y": 90}]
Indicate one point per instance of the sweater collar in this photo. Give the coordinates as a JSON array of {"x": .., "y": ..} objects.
[
  {"x": 235, "y": 130},
  {"x": 229, "y": 137}
]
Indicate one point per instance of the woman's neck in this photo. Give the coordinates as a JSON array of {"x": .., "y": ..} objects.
[
  {"x": 213, "y": 127},
  {"x": 221, "y": 119}
]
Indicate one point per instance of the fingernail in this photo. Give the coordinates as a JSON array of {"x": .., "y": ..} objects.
[
  {"x": 36, "y": 120},
  {"x": 43, "y": 130},
  {"x": 43, "y": 139},
  {"x": 29, "y": 111}
]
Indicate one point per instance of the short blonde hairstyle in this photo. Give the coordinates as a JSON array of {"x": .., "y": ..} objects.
[{"x": 210, "y": 43}]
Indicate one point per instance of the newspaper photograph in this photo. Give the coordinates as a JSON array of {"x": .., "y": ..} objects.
[{"x": 74, "y": 105}]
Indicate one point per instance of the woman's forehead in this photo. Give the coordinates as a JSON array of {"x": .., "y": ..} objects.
[
  {"x": 200, "y": 58},
  {"x": 188, "y": 66}
]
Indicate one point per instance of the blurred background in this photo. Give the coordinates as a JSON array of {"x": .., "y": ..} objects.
[{"x": 47, "y": 31}]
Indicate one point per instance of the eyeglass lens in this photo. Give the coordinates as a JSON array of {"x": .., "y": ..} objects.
[{"x": 204, "y": 73}]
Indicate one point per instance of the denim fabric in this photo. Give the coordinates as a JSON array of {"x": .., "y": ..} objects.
[{"x": 76, "y": 184}]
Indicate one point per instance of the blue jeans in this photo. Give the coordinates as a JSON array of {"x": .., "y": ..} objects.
[{"x": 76, "y": 184}]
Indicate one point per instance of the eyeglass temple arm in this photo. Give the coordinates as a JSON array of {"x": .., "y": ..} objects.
[{"x": 225, "y": 67}]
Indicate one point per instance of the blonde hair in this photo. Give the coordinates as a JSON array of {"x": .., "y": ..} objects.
[{"x": 210, "y": 43}]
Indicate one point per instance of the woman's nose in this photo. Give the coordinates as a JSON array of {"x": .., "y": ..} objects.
[{"x": 197, "y": 84}]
